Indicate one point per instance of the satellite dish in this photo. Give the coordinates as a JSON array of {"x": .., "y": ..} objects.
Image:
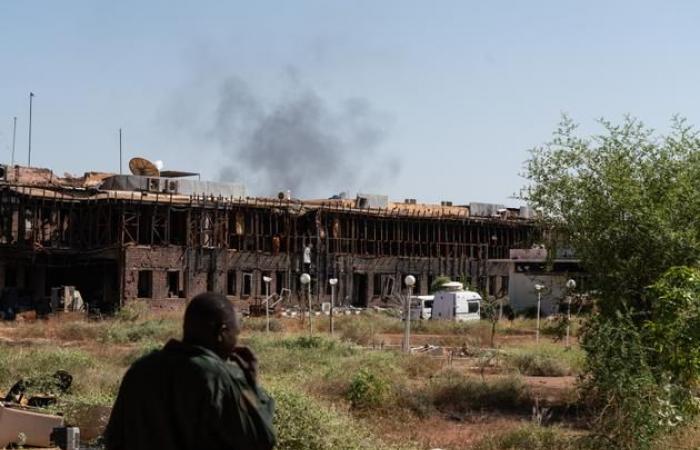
[{"x": 143, "y": 167}]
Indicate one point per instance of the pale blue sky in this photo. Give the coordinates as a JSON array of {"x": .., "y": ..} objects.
[{"x": 460, "y": 90}]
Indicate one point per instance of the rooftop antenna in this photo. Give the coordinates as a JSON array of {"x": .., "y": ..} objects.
[
  {"x": 29, "y": 158},
  {"x": 14, "y": 135},
  {"x": 120, "y": 152}
]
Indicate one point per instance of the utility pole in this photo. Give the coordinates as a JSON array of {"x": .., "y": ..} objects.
[
  {"x": 29, "y": 158},
  {"x": 120, "y": 152},
  {"x": 14, "y": 136}
]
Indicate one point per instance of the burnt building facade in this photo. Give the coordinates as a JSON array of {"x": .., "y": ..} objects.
[{"x": 119, "y": 238}]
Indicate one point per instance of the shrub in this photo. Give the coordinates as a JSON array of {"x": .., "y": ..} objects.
[
  {"x": 259, "y": 324},
  {"x": 308, "y": 342},
  {"x": 456, "y": 393},
  {"x": 527, "y": 438},
  {"x": 537, "y": 365},
  {"x": 620, "y": 388},
  {"x": 304, "y": 423},
  {"x": 545, "y": 361},
  {"x": 367, "y": 390},
  {"x": 125, "y": 332}
]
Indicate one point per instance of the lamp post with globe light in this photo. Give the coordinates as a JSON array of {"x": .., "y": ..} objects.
[
  {"x": 333, "y": 282},
  {"x": 410, "y": 281},
  {"x": 305, "y": 280},
  {"x": 539, "y": 288},
  {"x": 267, "y": 280},
  {"x": 571, "y": 285}
]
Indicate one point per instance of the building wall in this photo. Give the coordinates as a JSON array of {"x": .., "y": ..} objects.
[{"x": 522, "y": 293}]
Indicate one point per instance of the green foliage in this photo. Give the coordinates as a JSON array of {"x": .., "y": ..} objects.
[
  {"x": 259, "y": 324},
  {"x": 530, "y": 437},
  {"x": 367, "y": 390},
  {"x": 674, "y": 328},
  {"x": 545, "y": 361},
  {"x": 627, "y": 201},
  {"x": 309, "y": 342},
  {"x": 304, "y": 423},
  {"x": 459, "y": 394},
  {"x": 137, "y": 331},
  {"x": 632, "y": 407},
  {"x": 19, "y": 362},
  {"x": 438, "y": 282}
]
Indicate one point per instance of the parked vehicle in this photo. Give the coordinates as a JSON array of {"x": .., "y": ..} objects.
[
  {"x": 455, "y": 303},
  {"x": 421, "y": 307}
]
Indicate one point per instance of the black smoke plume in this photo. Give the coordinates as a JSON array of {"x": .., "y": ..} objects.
[{"x": 299, "y": 142}]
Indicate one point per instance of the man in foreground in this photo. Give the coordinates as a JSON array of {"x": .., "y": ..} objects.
[{"x": 201, "y": 393}]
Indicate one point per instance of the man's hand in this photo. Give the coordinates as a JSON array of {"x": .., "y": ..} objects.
[{"x": 247, "y": 360}]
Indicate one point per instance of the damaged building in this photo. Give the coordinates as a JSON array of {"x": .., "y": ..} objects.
[{"x": 118, "y": 238}]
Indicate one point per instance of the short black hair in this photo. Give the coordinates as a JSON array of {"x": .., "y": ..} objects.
[{"x": 206, "y": 313}]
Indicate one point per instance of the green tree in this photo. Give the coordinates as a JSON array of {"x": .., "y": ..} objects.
[
  {"x": 673, "y": 332},
  {"x": 626, "y": 200},
  {"x": 438, "y": 282}
]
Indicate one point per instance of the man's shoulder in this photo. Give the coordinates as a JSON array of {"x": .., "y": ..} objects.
[{"x": 181, "y": 360}]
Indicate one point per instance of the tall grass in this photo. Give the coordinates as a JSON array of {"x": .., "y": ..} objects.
[{"x": 545, "y": 360}]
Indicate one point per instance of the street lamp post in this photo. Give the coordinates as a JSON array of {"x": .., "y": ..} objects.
[
  {"x": 305, "y": 280},
  {"x": 410, "y": 280},
  {"x": 538, "y": 288},
  {"x": 333, "y": 282},
  {"x": 29, "y": 157},
  {"x": 571, "y": 285},
  {"x": 267, "y": 280}
]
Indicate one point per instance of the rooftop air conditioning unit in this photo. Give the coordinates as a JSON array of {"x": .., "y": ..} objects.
[
  {"x": 445, "y": 203},
  {"x": 170, "y": 186},
  {"x": 410, "y": 201},
  {"x": 153, "y": 184}
]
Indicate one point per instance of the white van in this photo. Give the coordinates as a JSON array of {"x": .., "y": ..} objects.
[
  {"x": 454, "y": 303},
  {"x": 421, "y": 307}
]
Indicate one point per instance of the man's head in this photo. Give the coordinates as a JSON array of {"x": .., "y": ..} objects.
[{"x": 210, "y": 321}]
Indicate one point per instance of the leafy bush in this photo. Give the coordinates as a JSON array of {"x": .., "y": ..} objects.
[
  {"x": 259, "y": 324},
  {"x": 18, "y": 362},
  {"x": 308, "y": 342},
  {"x": 304, "y": 423},
  {"x": 125, "y": 332},
  {"x": 538, "y": 365},
  {"x": 673, "y": 333},
  {"x": 527, "y": 438},
  {"x": 545, "y": 361},
  {"x": 461, "y": 394},
  {"x": 367, "y": 390},
  {"x": 620, "y": 387}
]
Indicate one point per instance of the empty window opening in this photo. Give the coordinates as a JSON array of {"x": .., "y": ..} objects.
[
  {"x": 247, "y": 284},
  {"x": 377, "y": 284},
  {"x": 504, "y": 285},
  {"x": 178, "y": 227},
  {"x": 231, "y": 282},
  {"x": 145, "y": 284},
  {"x": 210, "y": 282},
  {"x": 281, "y": 282},
  {"x": 174, "y": 284},
  {"x": 10, "y": 277},
  {"x": 492, "y": 285}
]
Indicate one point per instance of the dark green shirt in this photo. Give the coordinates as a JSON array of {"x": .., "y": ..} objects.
[{"x": 186, "y": 397}]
